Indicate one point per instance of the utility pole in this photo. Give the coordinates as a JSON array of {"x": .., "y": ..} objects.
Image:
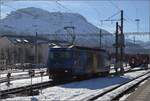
[
  {"x": 149, "y": 31},
  {"x": 23, "y": 54},
  {"x": 119, "y": 46},
  {"x": 42, "y": 74},
  {"x": 36, "y": 51},
  {"x": 116, "y": 49},
  {"x": 137, "y": 24},
  {"x": 35, "y": 46},
  {"x": 122, "y": 44},
  {"x": 100, "y": 36},
  {"x": 0, "y": 9},
  {"x": 119, "y": 41}
]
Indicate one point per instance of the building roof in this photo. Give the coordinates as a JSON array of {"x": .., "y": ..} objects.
[
  {"x": 25, "y": 39},
  {"x": 15, "y": 39}
]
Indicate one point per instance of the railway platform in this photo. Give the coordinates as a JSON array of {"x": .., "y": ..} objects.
[{"x": 142, "y": 93}]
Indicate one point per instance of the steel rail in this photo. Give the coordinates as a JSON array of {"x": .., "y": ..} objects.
[
  {"x": 99, "y": 93},
  {"x": 127, "y": 82}
]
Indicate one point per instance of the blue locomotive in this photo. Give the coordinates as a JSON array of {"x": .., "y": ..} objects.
[{"x": 77, "y": 61}]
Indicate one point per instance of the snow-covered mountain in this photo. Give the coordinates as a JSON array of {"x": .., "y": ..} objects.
[
  {"x": 146, "y": 45},
  {"x": 29, "y": 20}
]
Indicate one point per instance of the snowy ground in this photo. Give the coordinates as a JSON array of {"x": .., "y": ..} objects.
[
  {"x": 109, "y": 96},
  {"x": 18, "y": 73},
  {"x": 11, "y": 70},
  {"x": 126, "y": 68},
  {"x": 13, "y": 74},
  {"x": 19, "y": 70},
  {"x": 77, "y": 89},
  {"x": 23, "y": 82}
]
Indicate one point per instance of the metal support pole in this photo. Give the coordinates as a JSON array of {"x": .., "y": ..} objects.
[
  {"x": 100, "y": 41},
  {"x": 116, "y": 48},
  {"x": 23, "y": 55},
  {"x": 31, "y": 91},
  {"x": 149, "y": 32},
  {"x": 42, "y": 73},
  {"x": 31, "y": 73},
  {"x": 36, "y": 51},
  {"x": 0, "y": 10},
  {"x": 137, "y": 23},
  {"x": 122, "y": 44}
]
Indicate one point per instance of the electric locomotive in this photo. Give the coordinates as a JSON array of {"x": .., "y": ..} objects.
[{"x": 77, "y": 61}]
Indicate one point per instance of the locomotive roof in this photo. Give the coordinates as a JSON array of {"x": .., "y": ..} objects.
[
  {"x": 89, "y": 48},
  {"x": 79, "y": 47}
]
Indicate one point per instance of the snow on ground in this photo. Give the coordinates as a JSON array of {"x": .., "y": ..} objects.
[
  {"x": 123, "y": 98},
  {"x": 109, "y": 96},
  {"x": 23, "y": 82},
  {"x": 14, "y": 74},
  {"x": 12, "y": 70},
  {"x": 132, "y": 75},
  {"x": 18, "y": 73},
  {"x": 112, "y": 70},
  {"x": 76, "y": 89}
]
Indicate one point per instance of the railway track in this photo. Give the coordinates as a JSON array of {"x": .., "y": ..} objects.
[
  {"x": 17, "y": 77},
  {"x": 4, "y": 93},
  {"x": 25, "y": 76},
  {"x": 113, "y": 93},
  {"x": 38, "y": 86}
]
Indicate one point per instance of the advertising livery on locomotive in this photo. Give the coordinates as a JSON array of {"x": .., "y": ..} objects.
[{"x": 77, "y": 62}]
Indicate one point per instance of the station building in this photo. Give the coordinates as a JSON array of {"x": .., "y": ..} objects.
[{"x": 15, "y": 49}]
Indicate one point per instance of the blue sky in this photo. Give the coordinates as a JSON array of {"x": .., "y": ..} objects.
[{"x": 94, "y": 11}]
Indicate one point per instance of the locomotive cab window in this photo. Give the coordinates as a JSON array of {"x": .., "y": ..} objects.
[{"x": 60, "y": 55}]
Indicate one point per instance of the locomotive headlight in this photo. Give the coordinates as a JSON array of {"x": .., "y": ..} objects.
[
  {"x": 66, "y": 71},
  {"x": 75, "y": 62}
]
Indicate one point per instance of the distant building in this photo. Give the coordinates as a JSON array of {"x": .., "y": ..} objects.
[{"x": 21, "y": 49}]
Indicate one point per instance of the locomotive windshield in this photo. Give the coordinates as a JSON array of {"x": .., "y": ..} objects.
[{"x": 60, "y": 55}]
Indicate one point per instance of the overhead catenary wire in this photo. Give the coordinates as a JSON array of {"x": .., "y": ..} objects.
[
  {"x": 118, "y": 8},
  {"x": 70, "y": 10},
  {"x": 0, "y": 10},
  {"x": 57, "y": 2},
  {"x": 127, "y": 18},
  {"x": 59, "y": 5},
  {"x": 94, "y": 9},
  {"x": 110, "y": 17},
  {"x": 98, "y": 17},
  {"x": 114, "y": 5}
]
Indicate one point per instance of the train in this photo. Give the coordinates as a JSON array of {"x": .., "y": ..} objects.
[
  {"x": 139, "y": 60},
  {"x": 77, "y": 61}
]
